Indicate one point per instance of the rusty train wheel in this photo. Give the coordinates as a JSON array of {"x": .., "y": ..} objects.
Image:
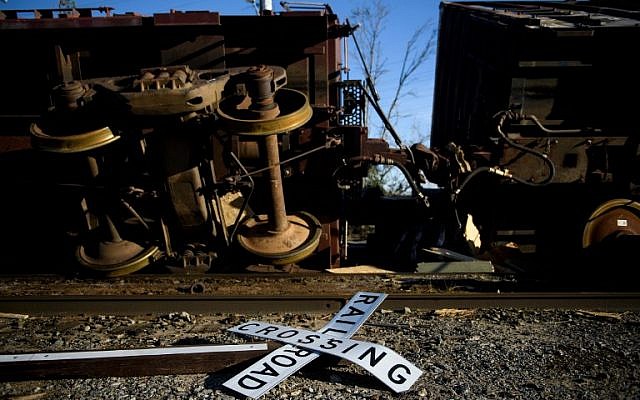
[
  {"x": 612, "y": 220},
  {"x": 294, "y": 244}
]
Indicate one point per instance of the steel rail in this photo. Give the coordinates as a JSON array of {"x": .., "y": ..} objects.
[{"x": 206, "y": 304}]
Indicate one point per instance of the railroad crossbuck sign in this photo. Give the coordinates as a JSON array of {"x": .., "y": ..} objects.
[{"x": 304, "y": 346}]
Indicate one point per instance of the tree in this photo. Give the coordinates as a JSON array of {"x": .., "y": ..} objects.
[
  {"x": 67, "y": 4},
  {"x": 420, "y": 46}
]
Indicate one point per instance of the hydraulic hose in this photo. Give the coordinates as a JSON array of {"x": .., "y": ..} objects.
[
  {"x": 544, "y": 157},
  {"x": 504, "y": 115}
]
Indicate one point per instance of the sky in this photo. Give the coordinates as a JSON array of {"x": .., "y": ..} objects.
[{"x": 404, "y": 18}]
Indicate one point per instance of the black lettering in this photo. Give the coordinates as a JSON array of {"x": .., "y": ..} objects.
[
  {"x": 341, "y": 321},
  {"x": 268, "y": 330},
  {"x": 353, "y": 311},
  {"x": 371, "y": 352},
  {"x": 367, "y": 299},
  {"x": 292, "y": 361},
  {"x": 282, "y": 334},
  {"x": 399, "y": 379},
  {"x": 268, "y": 370},
  {"x": 345, "y": 351},
  {"x": 242, "y": 383},
  {"x": 333, "y": 330},
  {"x": 331, "y": 344},
  {"x": 309, "y": 339},
  {"x": 298, "y": 352},
  {"x": 242, "y": 328}
]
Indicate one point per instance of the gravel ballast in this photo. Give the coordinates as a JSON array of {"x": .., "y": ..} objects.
[{"x": 465, "y": 354}]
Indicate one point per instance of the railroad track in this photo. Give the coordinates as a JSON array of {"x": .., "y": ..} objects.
[{"x": 207, "y": 304}]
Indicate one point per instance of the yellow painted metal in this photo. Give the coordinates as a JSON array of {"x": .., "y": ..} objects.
[
  {"x": 295, "y": 111},
  {"x": 71, "y": 143},
  {"x": 119, "y": 269}
]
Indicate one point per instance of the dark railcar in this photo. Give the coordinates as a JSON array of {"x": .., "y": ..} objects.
[
  {"x": 125, "y": 140},
  {"x": 189, "y": 141},
  {"x": 558, "y": 78},
  {"x": 45, "y": 49}
]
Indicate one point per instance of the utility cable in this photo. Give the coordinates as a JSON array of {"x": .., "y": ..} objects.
[{"x": 288, "y": 160}]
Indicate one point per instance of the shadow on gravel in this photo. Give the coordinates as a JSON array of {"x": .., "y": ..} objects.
[
  {"x": 323, "y": 369},
  {"x": 215, "y": 381},
  {"x": 338, "y": 375},
  {"x": 193, "y": 341}
]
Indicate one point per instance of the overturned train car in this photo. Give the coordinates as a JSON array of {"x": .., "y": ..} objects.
[
  {"x": 186, "y": 140},
  {"x": 537, "y": 95}
]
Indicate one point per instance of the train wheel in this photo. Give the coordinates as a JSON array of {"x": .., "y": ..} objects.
[
  {"x": 612, "y": 233},
  {"x": 294, "y": 244},
  {"x": 110, "y": 255}
]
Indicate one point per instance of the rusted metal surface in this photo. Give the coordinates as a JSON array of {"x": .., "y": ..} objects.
[
  {"x": 199, "y": 304},
  {"x": 170, "y": 61},
  {"x": 295, "y": 111},
  {"x": 280, "y": 238},
  {"x": 194, "y": 39},
  {"x": 113, "y": 305},
  {"x": 168, "y": 90},
  {"x": 614, "y": 220},
  {"x": 294, "y": 243},
  {"x": 311, "y": 66},
  {"x": 278, "y": 217},
  {"x": 14, "y": 143},
  {"x": 192, "y": 18}
]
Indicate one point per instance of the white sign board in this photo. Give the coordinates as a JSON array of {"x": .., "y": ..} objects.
[
  {"x": 384, "y": 363},
  {"x": 266, "y": 373}
]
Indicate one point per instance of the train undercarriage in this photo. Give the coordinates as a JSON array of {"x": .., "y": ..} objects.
[{"x": 184, "y": 141}]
